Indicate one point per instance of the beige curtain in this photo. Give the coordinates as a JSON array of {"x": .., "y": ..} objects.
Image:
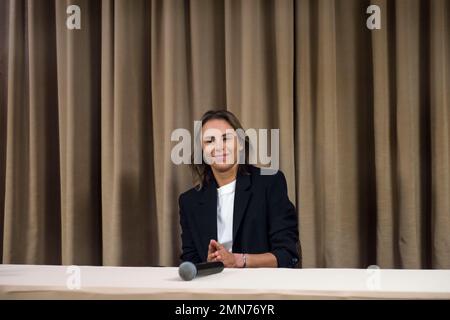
[{"x": 86, "y": 118}]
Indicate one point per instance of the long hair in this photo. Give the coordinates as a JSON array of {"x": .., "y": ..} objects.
[{"x": 202, "y": 173}]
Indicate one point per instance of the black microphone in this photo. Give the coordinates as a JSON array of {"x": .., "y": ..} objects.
[{"x": 189, "y": 271}]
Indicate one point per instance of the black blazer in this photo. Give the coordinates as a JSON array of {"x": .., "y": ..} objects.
[{"x": 264, "y": 220}]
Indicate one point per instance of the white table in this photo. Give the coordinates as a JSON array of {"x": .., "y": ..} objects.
[{"x": 61, "y": 282}]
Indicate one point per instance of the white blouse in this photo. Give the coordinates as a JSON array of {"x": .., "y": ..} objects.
[{"x": 225, "y": 206}]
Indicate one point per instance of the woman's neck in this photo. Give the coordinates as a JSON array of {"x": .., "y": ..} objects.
[{"x": 225, "y": 177}]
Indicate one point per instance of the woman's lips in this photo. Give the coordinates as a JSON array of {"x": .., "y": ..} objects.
[{"x": 221, "y": 158}]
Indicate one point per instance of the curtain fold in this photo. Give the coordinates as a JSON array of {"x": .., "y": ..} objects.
[
  {"x": 78, "y": 66},
  {"x": 86, "y": 118},
  {"x": 439, "y": 117},
  {"x": 4, "y": 39}
]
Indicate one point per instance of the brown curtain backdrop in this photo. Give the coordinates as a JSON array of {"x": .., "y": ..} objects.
[{"x": 86, "y": 118}]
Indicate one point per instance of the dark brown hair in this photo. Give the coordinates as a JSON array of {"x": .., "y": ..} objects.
[{"x": 202, "y": 173}]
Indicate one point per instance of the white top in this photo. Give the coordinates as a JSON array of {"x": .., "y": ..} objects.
[{"x": 225, "y": 206}]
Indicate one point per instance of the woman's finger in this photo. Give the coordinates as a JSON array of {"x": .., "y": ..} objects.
[
  {"x": 210, "y": 247},
  {"x": 216, "y": 244},
  {"x": 223, "y": 251}
]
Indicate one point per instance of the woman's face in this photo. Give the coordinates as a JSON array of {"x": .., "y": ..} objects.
[{"x": 219, "y": 144}]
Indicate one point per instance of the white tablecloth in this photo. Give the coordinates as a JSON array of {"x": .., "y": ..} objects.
[{"x": 87, "y": 282}]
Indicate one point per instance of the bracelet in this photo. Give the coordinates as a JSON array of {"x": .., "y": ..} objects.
[{"x": 244, "y": 257}]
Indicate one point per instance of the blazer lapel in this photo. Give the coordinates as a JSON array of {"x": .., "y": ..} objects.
[
  {"x": 241, "y": 197},
  {"x": 206, "y": 219}
]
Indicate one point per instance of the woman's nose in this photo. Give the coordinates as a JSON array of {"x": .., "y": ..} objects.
[{"x": 219, "y": 146}]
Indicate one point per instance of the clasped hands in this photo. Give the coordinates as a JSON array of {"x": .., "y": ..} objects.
[{"x": 217, "y": 252}]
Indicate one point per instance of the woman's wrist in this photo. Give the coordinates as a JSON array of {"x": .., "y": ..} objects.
[{"x": 240, "y": 260}]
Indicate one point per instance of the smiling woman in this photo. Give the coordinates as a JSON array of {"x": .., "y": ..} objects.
[{"x": 235, "y": 214}]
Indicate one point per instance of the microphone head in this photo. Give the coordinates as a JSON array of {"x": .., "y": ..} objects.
[{"x": 187, "y": 271}]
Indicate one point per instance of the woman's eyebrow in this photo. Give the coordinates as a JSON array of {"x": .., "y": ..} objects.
[
  {"x": 207, "y": 137},
  {"x": 227, "y": 134}
]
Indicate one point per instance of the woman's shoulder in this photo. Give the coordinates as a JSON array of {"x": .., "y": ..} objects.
[
  {"x": 259, "y": 175},
  {"x": 189, "y": 194}
]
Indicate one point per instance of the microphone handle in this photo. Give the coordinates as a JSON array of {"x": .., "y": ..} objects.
[{"x": 207, "y": 268}]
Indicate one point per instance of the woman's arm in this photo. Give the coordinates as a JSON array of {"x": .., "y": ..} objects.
[
  {"x": 240, "y": 260},
  {"x": 261, "y": 260},
  {"x": 283, "y": 224},
  {"x": 189, "y": 252}
]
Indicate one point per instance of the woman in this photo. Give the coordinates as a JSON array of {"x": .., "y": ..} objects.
[{"x": 236, "y": 215}]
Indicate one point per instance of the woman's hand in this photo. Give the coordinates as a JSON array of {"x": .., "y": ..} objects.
[
  {"x": 217, "y": 252},
  {"x": 212, "y": 249}
]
